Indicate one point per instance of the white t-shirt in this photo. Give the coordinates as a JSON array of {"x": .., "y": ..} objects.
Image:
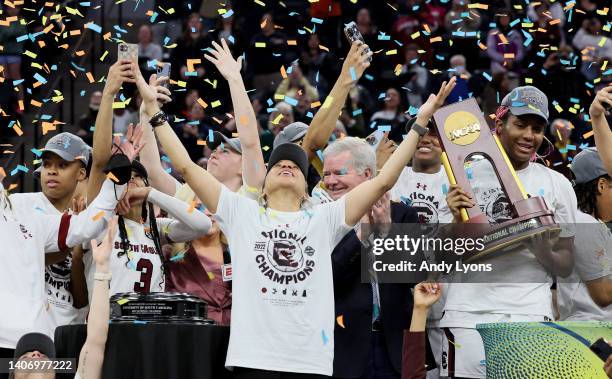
[
  {"x": 283, "y": 297},
  {"x": 527, "y": 289},
  {"x": 140, "y": 270},
  {"x": 425, "y": 192},
  {"x": 57, "y": 276},
  {"x": 593, "y": 260},
  {"x": 24, "y": 242}
]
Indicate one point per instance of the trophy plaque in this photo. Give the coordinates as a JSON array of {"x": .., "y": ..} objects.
[
  {"x": 158, "y": 307},
  {"x": 467, "y": 143}
]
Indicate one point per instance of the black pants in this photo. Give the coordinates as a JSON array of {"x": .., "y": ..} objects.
[
  {"x": 6, "y": 354},
  {"x": 251, "y": 373}
]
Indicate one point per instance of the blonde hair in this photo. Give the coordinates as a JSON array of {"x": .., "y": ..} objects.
[{"x": 186, "y": 195}]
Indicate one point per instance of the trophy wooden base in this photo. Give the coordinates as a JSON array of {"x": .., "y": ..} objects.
[{"x": 502, "y": 237}]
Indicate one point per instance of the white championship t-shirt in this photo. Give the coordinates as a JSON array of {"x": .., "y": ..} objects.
[
  {"x": 142, "y": 272},
  {"x": 283, "y": 296},
  {"x": 593, "y": 260},
  {"x": 57, "y": 276},
  {"x": 527, "y": 288}
]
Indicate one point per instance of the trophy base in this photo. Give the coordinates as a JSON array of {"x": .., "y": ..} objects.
[
  {"x": 158, "y": 307},
  {"x": 502, "y": 237}
]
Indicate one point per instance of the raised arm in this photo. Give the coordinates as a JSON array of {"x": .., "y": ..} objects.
[
  {"x": 324, "y": 122},
  {"x": 601, "y": 129},
  {"x": 149, "y": 156},
  {"x": 253, "y": 169},
  {"x": 118, "y": 73},
  {"x": 92, "y": 353},
  {"x": 361, "y": 198},
  {"x": 203, "y": 184},
  {"x": 186, "y": 224}
]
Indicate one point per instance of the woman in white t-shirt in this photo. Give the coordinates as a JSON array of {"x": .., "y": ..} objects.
[
  {"x": 283, "y": 303},
  {"x": 137, "y": 262}
]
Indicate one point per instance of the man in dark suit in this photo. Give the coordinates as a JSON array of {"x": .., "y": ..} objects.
[{"x": 371, "y": 317}]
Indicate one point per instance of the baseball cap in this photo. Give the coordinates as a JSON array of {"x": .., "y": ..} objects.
[
  {"x": 291, "y": 152},
  {"x": 291, "y": 133},
  {"x": 67, "y": 146},
  {"x": 587, "y": 166},
  {"x": 219, "y": 138},
  {"x": 527, "y": 100},
  {"x": 35, "y": 341}
]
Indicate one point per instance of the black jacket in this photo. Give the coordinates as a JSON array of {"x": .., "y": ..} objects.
[{"x": 354, "y": 302}]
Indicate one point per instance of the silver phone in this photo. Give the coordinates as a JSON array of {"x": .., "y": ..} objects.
[{"x": 353, "y": 34}]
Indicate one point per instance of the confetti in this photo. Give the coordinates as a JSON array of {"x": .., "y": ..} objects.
[
  {"x": 324, "y": 337},
  {"x": 340, "y": 321},
  {"x": 122, "y": 301},
  {"x": 98, "y": 216}
]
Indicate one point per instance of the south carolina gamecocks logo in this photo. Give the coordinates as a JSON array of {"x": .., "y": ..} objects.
[{"x": 285, "y": 255}]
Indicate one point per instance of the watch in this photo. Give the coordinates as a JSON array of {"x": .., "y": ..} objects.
[
  {"x": 102, "y": 276},
  {"x": 421, "y": 130},
  {"x": 158, "y": 119}
]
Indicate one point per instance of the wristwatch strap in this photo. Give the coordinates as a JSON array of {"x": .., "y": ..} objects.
[{"x": 421, "y": 130}]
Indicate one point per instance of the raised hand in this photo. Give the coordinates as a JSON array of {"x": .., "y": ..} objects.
[
  {"x": 120, "y": 72},
  {"x": 131, "y": 145},
  {"x": 147, "y": 92},
  {"x": 224, "y": 61},
  {"x": 384, "y": 150},
  {"x": 357, "y": 60},
  {"x": 102, "y": 252},
  {"x": 603, "y": 100},
  {"x": 426, "y": 294},
  {"x": 434, "y": 102}
]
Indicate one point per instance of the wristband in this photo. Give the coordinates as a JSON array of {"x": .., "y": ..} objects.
[
  {"x": 102, "y": 276},
  {"x": 158, "y": 119},
  {"x": 421, "y": 130}
]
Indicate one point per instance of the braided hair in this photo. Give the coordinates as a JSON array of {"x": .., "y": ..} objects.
[
  {"x": 147, "y": 213},
  {"x": 586, "y": 194}
]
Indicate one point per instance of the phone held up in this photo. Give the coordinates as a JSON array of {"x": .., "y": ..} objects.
[{"x": 353, "y": 34}]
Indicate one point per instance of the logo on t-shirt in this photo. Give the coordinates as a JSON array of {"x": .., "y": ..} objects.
[{"x": 283, "y": 258}]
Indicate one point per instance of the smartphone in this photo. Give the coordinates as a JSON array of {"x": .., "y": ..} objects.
[
  {"x": 164, "y": 70},
  {"x": 601, "y": 349},
  {"x": 375, "y": 138},
  {"x": 353, "y": 34},
  {"x": 128, "y": 51}
]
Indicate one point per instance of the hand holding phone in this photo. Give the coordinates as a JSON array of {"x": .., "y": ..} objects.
[
  {"x": 353, "y": 34},
  {"x": 128, "y": 51}
]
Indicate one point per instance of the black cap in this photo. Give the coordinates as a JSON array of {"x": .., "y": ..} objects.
[
  {"x": 290, "y": 152},
  {"x": 35, "y": 342}
]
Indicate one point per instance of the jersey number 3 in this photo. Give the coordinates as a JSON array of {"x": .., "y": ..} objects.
[{"x": 146, "y": 273}]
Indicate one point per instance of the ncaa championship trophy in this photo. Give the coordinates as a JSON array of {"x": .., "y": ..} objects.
[{"x": 465, "y": 137}]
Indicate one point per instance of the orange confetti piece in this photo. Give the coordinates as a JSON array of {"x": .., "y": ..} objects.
[
  {"x": 315, "y": 104},
  {"x": 17, "y": 130},
  {"x": 323, "y": 48},
  {"x": 2, "y": 172},
  {"x": 35, "y": 103},
  {"x": 202, "y": 103},
  {"x": 509, "y": 56},
  {"x": 291, "y": 42},
  {"x": 12, "y": 186},
  {"x": 112, "y": 177},
  {"x": 283, "y": 72},
  {"x": 340, "y": 321},
  {"x": 90, "y": 77},
  {"x": 21, "y": 107},
  {"x": 244, "y": 120},
  {"x": 75, "y": 32},
  {"x": 435, "y": 39},
  {"x": 191, "y": 62},
  {"x": 587, "y": 134},
  {"x": 503, "y": 39},
  {"x": 98, "y": 216},
  {"x": 201, "y": 142},
  {"x": 555, "y": 21},
  {"x": 482, "y": 46},
  {"x": 191, "y": 206}
]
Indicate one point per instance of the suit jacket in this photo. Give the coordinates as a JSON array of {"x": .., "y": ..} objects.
[{"x": 354, "y": 302}]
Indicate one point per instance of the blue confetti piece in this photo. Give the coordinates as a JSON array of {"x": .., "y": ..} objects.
[
  {"x": 139, "y": 322},
  {"x": 165, "y": 158},
  {"x": 17, "y": 82},
  {"x": 308, "y": 213},
  {"x": 22, "y": 38},
  {"x": 584, "y": 146},
  {"x": 94, "y": 27},
  {"x": 570, "y": 147},
  {"x": 231, "y": 39},
  {"x": 324, "y": 337},
  {"x": 383, "y": 37},
  {"x": 315, "y": 20},
  {"x": 191, "y": 73},
  {"x": 152, "y": 63},
  {"x": 574, "y": 100},
  {"x": 384, "y": 128},
  {"x": 353, "y": 73},
  {"x": 45, "y": 117},
  {"x": 131, "y": 265},
  {"x": 309, "y": 114},
  {"x": 228, "y": 14},
  {"x": 166, "y": 40},
  {"x": 406, "y": 200},
  {"x": 270, "y": 102},
  {"x": 357, "y": 112},
  {"x": 368, "y": 77},
  {"x": 19, "y": 168},
  {"x": 413, "y": 110},
  {"x": 291, "y": 14},
  {"x": 36, "y": 152},
  {"x": 290, "y": 100},
  {"x": 320, "y": 155},
  {"x": 210, "y": 135},
  {"x": 117, "y": 28},
  {"x": 178, "y": 257},
  {"x": 77, "y": 67},
  {"x": 382, "y": 95},
  {"x": 444, "y": 188},
  {"x": 487, "y": 76},
  {"x": 541, "y": 192}
]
